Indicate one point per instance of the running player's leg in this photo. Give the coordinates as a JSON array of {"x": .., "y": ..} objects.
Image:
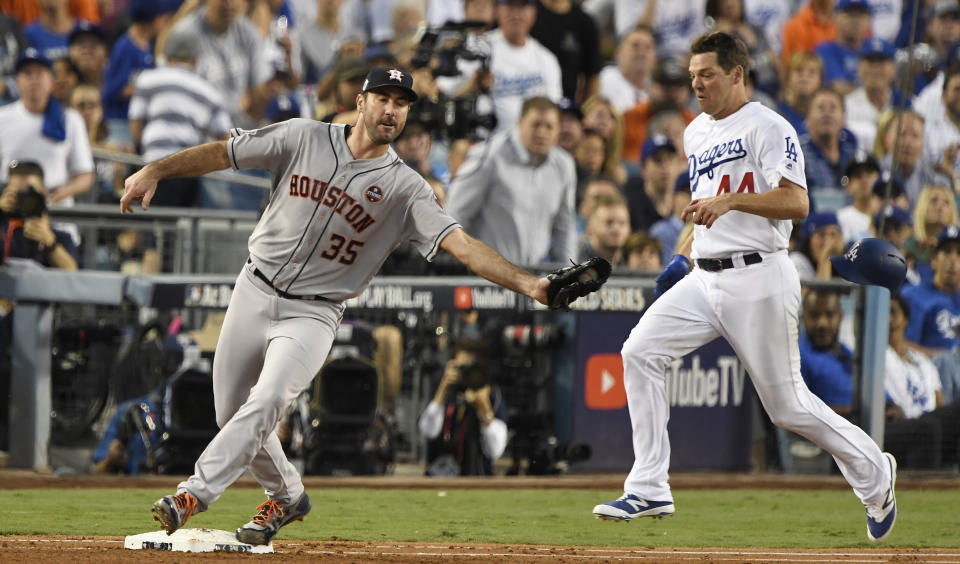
[
  {"x": 680, "y": 321},
  {"x": 761, "y": 305}
]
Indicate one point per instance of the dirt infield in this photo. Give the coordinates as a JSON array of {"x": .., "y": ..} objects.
[{"x": 110, "y": 549}]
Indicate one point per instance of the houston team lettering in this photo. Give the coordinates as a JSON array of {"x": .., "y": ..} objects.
[{"x": 333, "y": 197}]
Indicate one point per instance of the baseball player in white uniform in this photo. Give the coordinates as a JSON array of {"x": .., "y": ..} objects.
[
  {"x": 746, "y": 175},
  {"x": 341, "y": 202}
]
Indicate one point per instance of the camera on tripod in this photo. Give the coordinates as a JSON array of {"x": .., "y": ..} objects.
[
  {"x": 441, "y": 49},
  {"x": 30, "y": 202}
]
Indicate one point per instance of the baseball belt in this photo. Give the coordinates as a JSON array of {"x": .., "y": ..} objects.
[
  {"x": 281, "y": 293},
  {"x": 716, "y": 265}
]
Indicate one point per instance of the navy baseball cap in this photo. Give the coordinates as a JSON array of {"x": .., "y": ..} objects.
[
  {"x": 568, "y": 106},
  {"x": 670, "y": 72},
  {"x": 147, "y": 10},
  {"x": 861, "y": 160},
  {"x": 654, "y": 143},
  {"x": 949, "y": 235},
  {"x": 379, "y": 51},
  {"x": 892, "y": 215},
  {"x": 379, "y": 77},
  {"x": 83, "y": 28},
  {"x": 872, "y": 261},
  {"x": 880, "y": 187},
  {"x": 817, "y": 221},
  {"x": 877, "y": 48},
  {"x": 282, "y": 106},
  {"x": 942, "y": 8},
  {"x": 852, "y": 6},
  {"x": 32, "y": 55}
]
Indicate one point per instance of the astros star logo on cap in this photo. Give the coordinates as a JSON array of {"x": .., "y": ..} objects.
[{"x": 394, "y": 74}]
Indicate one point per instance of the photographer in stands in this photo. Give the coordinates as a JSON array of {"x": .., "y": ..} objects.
[
  {"x": 23, "y": 219},
  {"x": 465, "y": 422}
]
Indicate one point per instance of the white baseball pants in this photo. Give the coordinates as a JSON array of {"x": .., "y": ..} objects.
[
  {"x": 270, "y": 349},
  {"x": 755, "y": 308}
]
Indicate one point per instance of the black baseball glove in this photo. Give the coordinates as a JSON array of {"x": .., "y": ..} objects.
[{"x": 568, "y": 284}]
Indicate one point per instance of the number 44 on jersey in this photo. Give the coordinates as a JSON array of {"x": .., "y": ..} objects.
[{"x": 746, "y": 184}]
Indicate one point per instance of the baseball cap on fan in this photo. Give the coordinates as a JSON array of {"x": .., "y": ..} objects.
[
  {"x": 654, "y": 143},
  {"x": 949, "y": 235},
  {"x": 379, "y": 77}
]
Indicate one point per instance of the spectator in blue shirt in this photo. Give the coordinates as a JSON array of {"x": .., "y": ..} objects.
[
  {"x": 132, "y": 53},
  {"x": 50, "y": 32},
  {"x": 828, "y": 145},
  {"x": 825, "y": 363},
  {"x": 827, "y": 369},
  {"x": 129, "y": 442},
  {"x": 935, "y": 305},
  {"x": 841, "y": 57}
]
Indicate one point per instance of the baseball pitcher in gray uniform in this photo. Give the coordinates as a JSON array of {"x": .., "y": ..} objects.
[{"x": 341, "y": 201}]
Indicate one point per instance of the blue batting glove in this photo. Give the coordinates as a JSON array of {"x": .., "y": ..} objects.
[{"x": 677, "y": 268}]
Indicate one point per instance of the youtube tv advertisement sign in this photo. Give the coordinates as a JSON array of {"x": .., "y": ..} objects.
[{"x": 708, "y": 391}]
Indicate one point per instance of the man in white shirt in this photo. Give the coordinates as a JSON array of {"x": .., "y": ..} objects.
[
  {"x": 864, "y": 105},
  {"x": 921, "y": 426},
  {"x": 465, "y": 422},
  {"x": 36, "y": 128},
  {"x": 941, "y": 136},
  {"x": 676, "y": 22},
  {"x": 521, "y": 66},
  {"x": 626, "y": 83},
  {"x": 859, "y": 176}
]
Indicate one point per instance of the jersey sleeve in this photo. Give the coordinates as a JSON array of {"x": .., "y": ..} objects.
[
  {"x": 779, "y": 153},
  {"x": 427, "y": 222},
  {"x": 267, "y": 148}
]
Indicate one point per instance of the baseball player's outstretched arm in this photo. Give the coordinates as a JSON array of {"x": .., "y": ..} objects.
[
  {"x": 786, "y": 201},
  {"x": 195, "y": 161},
  {"x": 488, "y": 263}
]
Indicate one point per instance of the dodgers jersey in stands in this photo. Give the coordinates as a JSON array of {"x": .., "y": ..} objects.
[
  {"x": 332, "y": 219},
  {"x": 722, "y": 156}
]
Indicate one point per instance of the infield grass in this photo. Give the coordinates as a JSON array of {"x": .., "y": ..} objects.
[{"x": 705, "y": 518}]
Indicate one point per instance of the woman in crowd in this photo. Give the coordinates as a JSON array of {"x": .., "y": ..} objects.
[
  {"x": 803, "y": 77},
  {"x": 936, "y": 210},
  {"x": 600, "y": 115}
]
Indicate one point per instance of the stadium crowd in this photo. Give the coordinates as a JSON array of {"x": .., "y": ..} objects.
[{"x": 552, "y": 129}]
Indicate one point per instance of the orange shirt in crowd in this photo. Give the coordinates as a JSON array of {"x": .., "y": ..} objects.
[
  {"x": 25, "y": 11},
  {"x": 804, "y": 31},
  {"x": 635, "y": 121}
]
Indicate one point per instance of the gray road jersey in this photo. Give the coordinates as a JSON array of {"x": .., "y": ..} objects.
[{"x": 332, "y": 219}]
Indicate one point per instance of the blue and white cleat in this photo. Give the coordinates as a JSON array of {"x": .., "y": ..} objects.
[
  {"x": 630, "y": 507},
  {"x": 880, "y": 518}
]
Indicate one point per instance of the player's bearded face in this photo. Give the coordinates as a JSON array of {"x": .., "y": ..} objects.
[{"x": 384, "y": 115}]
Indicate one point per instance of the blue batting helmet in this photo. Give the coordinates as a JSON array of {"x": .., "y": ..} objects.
[{"x": 872, "y": 261}]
